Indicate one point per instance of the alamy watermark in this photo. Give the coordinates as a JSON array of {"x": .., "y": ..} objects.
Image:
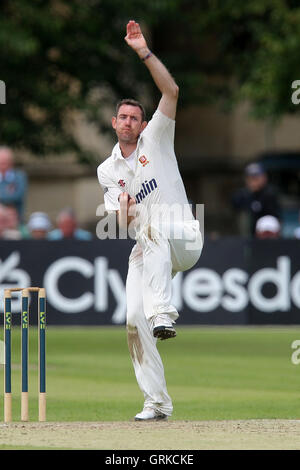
[
  {"x": 2, "y": 92},
  {"x": 170, "y": 221},
  {"x": 296, "y": 94},
  {"x": 295, "y": 358}
]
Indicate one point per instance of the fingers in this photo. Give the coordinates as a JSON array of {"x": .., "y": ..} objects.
[
  {"x": 123, "y": 199},
  {"x": 123, "y": 196},
  {"x": 133, "y": 28},
  {"x": 132, "y": 201},
  {"x": 132, "y": 208},
  {"x": 130, "y": 26}
]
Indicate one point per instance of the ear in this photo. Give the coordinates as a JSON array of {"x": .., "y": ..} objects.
[
  {"x": 144, "y": 125},
  {"x": 114, "y": 122}
]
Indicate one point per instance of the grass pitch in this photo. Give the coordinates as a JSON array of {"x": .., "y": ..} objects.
[{"x": 214, "y": 374}]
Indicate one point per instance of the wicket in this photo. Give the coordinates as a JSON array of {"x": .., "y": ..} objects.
[{"x": 24, "y": 350}]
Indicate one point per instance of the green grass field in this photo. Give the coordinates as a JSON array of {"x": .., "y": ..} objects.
[{"x": 213, "y": 373}]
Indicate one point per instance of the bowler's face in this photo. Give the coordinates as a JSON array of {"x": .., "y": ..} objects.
[{"x": 128, "y": 124}]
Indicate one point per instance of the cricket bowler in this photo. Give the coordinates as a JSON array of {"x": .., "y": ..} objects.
[{"x": 142, "y": 184}]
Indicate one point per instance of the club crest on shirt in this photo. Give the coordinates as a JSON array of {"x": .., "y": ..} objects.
[
  {"x": 143, "y": 160},
  {"x": 121, "y": 183}
]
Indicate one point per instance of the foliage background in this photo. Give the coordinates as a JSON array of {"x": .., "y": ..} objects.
[{"x": 59, "y": 56}]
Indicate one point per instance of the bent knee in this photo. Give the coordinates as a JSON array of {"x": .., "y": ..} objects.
[{"x": 131, "y": 319}]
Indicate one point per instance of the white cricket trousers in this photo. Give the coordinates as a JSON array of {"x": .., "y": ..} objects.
[{"x": 153, "y": 262}]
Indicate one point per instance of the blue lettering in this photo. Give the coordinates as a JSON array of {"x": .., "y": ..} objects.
[{"x": 147, "y": 188}]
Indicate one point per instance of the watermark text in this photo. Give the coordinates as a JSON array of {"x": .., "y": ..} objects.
[{"x": 2, "y": 92}]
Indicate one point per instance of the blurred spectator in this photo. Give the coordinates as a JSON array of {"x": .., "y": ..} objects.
[
  {"x": 67, "y": 228},
  {"x": 3, "y": 221},
  {"x": 8, "y": 225},
  {"x": 297, "y": 231},
  {"x": 39, "y": 225},
  {"x": 13, "y": 183},
  {"x": 15, "y": 230},
  {"x": 267, "y": 227},
  {"x": 257, "y": 199}
]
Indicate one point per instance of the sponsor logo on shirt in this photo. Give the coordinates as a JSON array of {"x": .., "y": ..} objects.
[
  {"x": 147, "y": 188},
  {"x": 121, "y": 183},
  {"x": 143, "y": 160}
]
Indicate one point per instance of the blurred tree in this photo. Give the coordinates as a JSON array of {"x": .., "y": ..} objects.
[
  {"x": 228, "y": 50},
  {"x": 58, "y": 56}
]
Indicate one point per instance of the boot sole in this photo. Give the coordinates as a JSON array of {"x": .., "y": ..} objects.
[
  {"x": 164, "y": 332},
  {"x": 157, "y": 418}
]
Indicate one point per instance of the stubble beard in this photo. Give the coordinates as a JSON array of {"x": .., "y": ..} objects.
[{"x": 128, "y": 139}]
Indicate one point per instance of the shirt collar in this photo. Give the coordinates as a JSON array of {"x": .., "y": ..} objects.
[{"x": 116, "y": 152}]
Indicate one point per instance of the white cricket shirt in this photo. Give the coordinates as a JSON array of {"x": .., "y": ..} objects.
[
  {"x": 131, "y": 160},
  {"x": 153, "y": 179}
]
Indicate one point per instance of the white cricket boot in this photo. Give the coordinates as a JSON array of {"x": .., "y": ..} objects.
[
  {"x": 149, "y": 414},
  {"x": 163, "y": 326}
]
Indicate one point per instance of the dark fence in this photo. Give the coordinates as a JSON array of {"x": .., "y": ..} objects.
[{"x": 235, "y": 282}]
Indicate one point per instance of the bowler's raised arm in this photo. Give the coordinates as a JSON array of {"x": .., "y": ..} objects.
[{"x": 161, "y": 76}]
